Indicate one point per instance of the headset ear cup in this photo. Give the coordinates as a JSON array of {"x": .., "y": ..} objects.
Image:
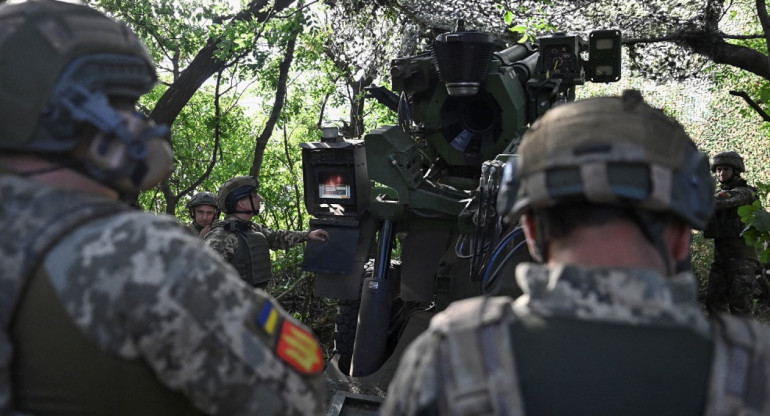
[
  {"x": 105, "y": 153},
  {"x": 133, "y": 158},
  {"x": 152, "y": 164},
  {"x": 159, "y": 161}
]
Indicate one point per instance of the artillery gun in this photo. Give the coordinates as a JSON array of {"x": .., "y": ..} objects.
[{"x": 428, "y": 186}]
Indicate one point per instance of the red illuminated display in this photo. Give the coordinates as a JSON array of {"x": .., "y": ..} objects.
[
  {"x": 333, "y": 186},
  {"x": 334, "y": 180}
]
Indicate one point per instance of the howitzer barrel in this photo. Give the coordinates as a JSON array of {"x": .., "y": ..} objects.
[
  {"x": 525, "y": 68},
  {"x": 462, "y": 59},
  {"x": 515, "y": 53}
]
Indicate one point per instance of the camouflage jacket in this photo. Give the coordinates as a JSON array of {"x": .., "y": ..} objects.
[
  {"x": 195, "y": 228},
  {"x": 141, "y": 287},
  {"x": 226, "y": 242},
  {"x": 622, "y": 296},
  {"x": 726, "y": 223}
]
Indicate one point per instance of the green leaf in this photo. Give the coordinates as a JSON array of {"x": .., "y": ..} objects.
[
  {"x": 750, "y": 236},
  {"x": 508, "y": 17},
  {"x": 764, "y": 256},
  {"x": 760, "y": 220},
  {"x": 764, "y": 92},
  {"x": 746, "y": 210}
]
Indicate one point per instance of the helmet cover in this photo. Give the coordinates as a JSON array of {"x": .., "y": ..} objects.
[
  {"x": 609, "y": 150},
  {"x": 235, "y": 189},
  {"x": 61, "y": 65},
  {"x": 203, "y": 198},
  {"x": 731, "y": 159},
  {"x": 39, "y": 39}
]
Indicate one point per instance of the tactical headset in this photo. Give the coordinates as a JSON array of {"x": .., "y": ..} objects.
[{"x": 127, "y": 151}]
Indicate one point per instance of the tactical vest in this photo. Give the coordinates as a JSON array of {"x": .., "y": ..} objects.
[
  {"x": 722, "y": 376},
  {"x": 252, "y": 257},
  {"x": 725, "y": 223},
  {"x": 31, "y": 314}
]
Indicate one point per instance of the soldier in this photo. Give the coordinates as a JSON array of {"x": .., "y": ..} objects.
[
  {"x": 732, "y": 278},
  {"x": 606, "y": 190},
  {"x": 106, "y": 309},
  {"x": 245, "y": 244},
  {"x": 203, "y": 211}
]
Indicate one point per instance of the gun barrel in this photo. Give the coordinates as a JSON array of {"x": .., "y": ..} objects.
[
  {"x": 515, "y": 53},
  {"x": 525, "y": 68}
]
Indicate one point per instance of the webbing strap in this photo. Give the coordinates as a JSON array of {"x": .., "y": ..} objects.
[
  {"x": 738, "y": 381},
  {"x": 475, "y": 357}
]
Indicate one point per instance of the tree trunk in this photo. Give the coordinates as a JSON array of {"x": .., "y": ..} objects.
[
  {"x": 205, "y": 64},
  {"x": 280, "y": 99}
]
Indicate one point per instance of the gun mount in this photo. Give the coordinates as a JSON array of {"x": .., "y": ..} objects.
[{"x": 429, "y": 184}]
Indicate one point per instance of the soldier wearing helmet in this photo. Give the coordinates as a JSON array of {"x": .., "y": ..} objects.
[
  {"x": 606, "y": 190},
  {"x": 203, "y": 211},
  {"x": 245, "y": 244},
  {"x": 106, "y": 309},
  {"x": 732, "y": 278}
]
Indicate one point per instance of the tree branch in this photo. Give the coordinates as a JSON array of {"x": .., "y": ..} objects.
[
  {"x": 714, "y": 47},
  {"x": 205, "y": 64},
  {"x": 753, "y": 104},
  {"x": 764, "y": 19},
  {"x": 280, "y": 99},
  {"x": 168, "y": 194},
  {"x": 296, "y": 183}
]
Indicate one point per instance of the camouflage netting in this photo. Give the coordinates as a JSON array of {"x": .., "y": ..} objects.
[{"x": 361, "y": 24}]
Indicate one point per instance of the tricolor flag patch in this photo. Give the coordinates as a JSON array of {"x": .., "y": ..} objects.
[{"x": 299, "y": 348}]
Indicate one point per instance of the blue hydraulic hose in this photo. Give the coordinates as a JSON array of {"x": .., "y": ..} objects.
[{"x": 497, "y": 252}]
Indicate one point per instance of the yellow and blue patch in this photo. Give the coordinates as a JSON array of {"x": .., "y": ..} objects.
[{"x": 268, "y": 318}]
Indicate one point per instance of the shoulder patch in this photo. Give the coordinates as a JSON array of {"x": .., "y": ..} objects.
[{"x": 299, "y": 348}]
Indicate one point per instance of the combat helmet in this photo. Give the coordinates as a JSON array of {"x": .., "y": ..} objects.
[
  {"x": 612, "y": 151},
  {"x": 233, "y": 190},
  {"x": 63, "y": 68},
  {"x": 731, "y": 159},
  {"x": 203, "y": 198}
]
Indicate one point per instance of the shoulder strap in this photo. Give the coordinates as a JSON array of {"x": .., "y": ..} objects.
[
  {"x": 234, "y": 225},
  {"x": 476, "y": 358},
  {"x": 739, "y": 380},
  {"x": 37, "y": 218}
]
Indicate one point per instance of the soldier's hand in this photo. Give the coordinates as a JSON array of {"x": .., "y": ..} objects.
[{"x": 318, "y": 235}]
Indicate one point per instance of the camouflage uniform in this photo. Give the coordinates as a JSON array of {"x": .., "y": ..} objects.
[
  {"x": 425, "y": 384},
  {"x": 195, "y": 228},
  {"x": 224, "y": 239},
  {"x": 732, "y": 278},
  {"x": 142, "y": 289},
  {"x": 242, "y": 243},
  {"x": 105, "y": 309}
]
